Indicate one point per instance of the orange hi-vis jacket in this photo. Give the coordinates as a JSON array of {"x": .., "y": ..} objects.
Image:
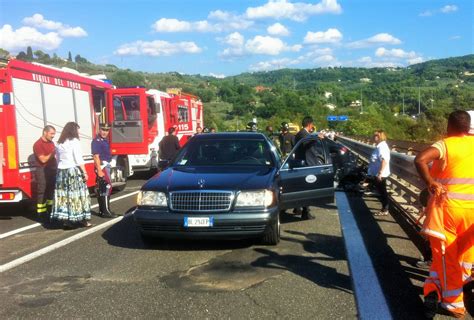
[
  {"x": 458, "y": 176},
  {"x": 449, "y": 222}
]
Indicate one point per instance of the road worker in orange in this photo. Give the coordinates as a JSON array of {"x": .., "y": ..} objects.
[{"x": 450, "y": 216}]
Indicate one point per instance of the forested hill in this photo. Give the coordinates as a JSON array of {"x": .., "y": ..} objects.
[
  {"x": 410, "y": 103},
  {"x": 450, "y": 68}
]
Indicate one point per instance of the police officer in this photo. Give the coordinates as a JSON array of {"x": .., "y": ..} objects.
[
  {"x": 251, "y": 126},
  {"x": 102, "y": 157},
  {"x": 287, "y": 139}
]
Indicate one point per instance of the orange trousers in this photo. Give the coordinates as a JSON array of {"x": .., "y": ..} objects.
[{"x": 452, "y": 259}]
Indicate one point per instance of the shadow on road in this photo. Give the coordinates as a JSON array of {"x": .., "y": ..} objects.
[
  {"x": 402, "y": 296},
  {"x": 330, "y": 247}
]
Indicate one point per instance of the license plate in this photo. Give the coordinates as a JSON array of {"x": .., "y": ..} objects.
[{"x": 198, "y": 222}]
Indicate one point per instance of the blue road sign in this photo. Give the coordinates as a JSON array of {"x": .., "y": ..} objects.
[
  {"x": 342, "y": 118},
  {"x": 332, "y": 118}
]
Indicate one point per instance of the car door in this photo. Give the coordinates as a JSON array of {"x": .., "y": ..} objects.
[{"x": 307, "y": 182}]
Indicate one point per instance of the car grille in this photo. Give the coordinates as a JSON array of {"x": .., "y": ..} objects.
[{"x": 201, "y": 201}]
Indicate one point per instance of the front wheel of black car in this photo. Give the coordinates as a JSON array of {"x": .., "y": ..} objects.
[{"x": 272, "y": 234}]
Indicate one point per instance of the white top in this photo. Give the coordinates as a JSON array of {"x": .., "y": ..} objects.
[
  {"x": 375, "y": 162},
  {"x": 69, "y": 154}
]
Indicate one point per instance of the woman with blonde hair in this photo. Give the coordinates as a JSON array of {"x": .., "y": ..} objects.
[
  {"x": 72, "y": 203},
  {"x": 379, "y": 169}
]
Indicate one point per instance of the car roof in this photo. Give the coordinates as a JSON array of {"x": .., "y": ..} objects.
[{"x": 230, "y": 135}]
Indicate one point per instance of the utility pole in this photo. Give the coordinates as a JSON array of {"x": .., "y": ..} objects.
[
  {"x": 361, "y": 106},
  {"x": 419, "y": 103},
  {"x": 403, "y": 102}
]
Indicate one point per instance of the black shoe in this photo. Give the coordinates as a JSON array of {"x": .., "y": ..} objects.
[
  {"x": 306, "y": 216},
  {"x": 67, "y": 225},
  {"x": 104, "y": 210},
  {"x": 297, "y": 211},
  {"x": 431, "y": 304}
]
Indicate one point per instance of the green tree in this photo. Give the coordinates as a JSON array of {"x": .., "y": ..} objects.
[
  {"x": 123, "y": 78},
  {"x": 69, "y": 56},
  {"x": 29, "y": 54},
  {"x": 4, "y": 53}
]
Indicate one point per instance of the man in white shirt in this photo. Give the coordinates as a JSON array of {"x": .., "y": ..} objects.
[{"x": 379, "y": 169}]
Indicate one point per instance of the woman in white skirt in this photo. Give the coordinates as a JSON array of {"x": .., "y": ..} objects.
[{"x": 72, "y": 203}]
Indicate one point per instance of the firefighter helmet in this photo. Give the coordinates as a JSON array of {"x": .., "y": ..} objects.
[{"x": 285, "y": 126}]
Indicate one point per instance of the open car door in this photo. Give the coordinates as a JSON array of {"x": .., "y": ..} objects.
[
  {"x": 307, "y": 175},
  {"x": 129, "y": 119}
]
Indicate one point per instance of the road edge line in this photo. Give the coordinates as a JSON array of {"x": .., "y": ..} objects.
[{"x": 370, "y": 299}]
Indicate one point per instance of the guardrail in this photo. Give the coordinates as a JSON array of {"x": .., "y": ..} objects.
[{"x": 404, "y": 182}]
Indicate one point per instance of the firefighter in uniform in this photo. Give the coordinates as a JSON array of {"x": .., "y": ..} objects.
[
  {"x": 102, "y": 157},
  {"x": 287, "y": 139},
  {"x": 45, "y": 150},
  {"x": 450, "y": 219}
]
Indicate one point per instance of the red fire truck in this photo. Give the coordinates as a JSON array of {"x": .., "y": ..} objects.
[{"x": 35, "y": 95}]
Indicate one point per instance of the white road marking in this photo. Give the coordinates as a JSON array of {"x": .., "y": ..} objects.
[
  {"x": 34, "y": 225},
  {"x": 62, "y": 243}
]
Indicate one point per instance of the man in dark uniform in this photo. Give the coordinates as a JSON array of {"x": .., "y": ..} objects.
[
  {"x": 102, "y": 157},
  {"x": 169, "y": 145},
  {"x": 306, "y": 153},
  {"x": 45, "y": 151},
  {"x": 287, "y": 139}
]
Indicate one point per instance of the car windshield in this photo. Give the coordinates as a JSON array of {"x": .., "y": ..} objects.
[{"x": 221, "y": 152}]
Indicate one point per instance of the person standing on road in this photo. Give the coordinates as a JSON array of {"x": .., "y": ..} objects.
[
  {"x": 102, "y": 156},
  {"x": 72, "y": 203},
  {"x": 44, "y": 150},
  {"x": 306, "y": 153},
  {"x": 379, "y": 169},
  {"x": 450, "y": 219},
  {"x": 287, "y": 139},
  {"x": 169, "y": 145}
]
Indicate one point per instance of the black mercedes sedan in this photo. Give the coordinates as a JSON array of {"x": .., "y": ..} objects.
[{"x": 232, "y": 185}]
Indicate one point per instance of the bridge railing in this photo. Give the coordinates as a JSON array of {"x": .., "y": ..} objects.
[{"x": 404, "y": 182}]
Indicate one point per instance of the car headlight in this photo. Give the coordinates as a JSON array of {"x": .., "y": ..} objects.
[
  {"x": 152, "y": 198},
  {"x": 260, "y": 198}
]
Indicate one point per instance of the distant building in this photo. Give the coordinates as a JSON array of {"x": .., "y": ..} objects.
[
  {"x": 356, "y": 103},
  {"x": 261, "y": 88},
  {"x": 366, "y": 80},
  {"x": 327, "y": 94},
  {"x": 330, "y": 106}
]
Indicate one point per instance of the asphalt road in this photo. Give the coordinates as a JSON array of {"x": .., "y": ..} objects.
[{"x": 111, "y": 273}]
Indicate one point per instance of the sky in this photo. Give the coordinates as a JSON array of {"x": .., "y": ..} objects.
[{"x": 229, "y": 37}]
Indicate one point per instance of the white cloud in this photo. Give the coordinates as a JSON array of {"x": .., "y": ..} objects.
[
  {"x": 427, "y": 13},
  {"x": 171, "y": 25},
  {"x": 329, "y": 36},
  {"x": 457, "y": 37},
  {"x": 157, "y": 48},
  {"x": 221, "y": 21},
  {"x": 449, "y": 9},
  {"x": 38, "y": 21},
  {"x": 234, "y": 39},
  {"x": 415, "y": 60},
  {"x": 265, "y": 45},
  {"x": 218, "y": 75},
  {"x": 19, "y": 39},
  {"x": 395, "y": 53},
  {"x": 72, "y": 32},
  {"x": 297, "y": 11},
  {"x": 367, "y": 62},
  {"x": 273, "y": 64},
  {"x": 278, "y": 29},
  {"x": 378, "y": 39}
]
